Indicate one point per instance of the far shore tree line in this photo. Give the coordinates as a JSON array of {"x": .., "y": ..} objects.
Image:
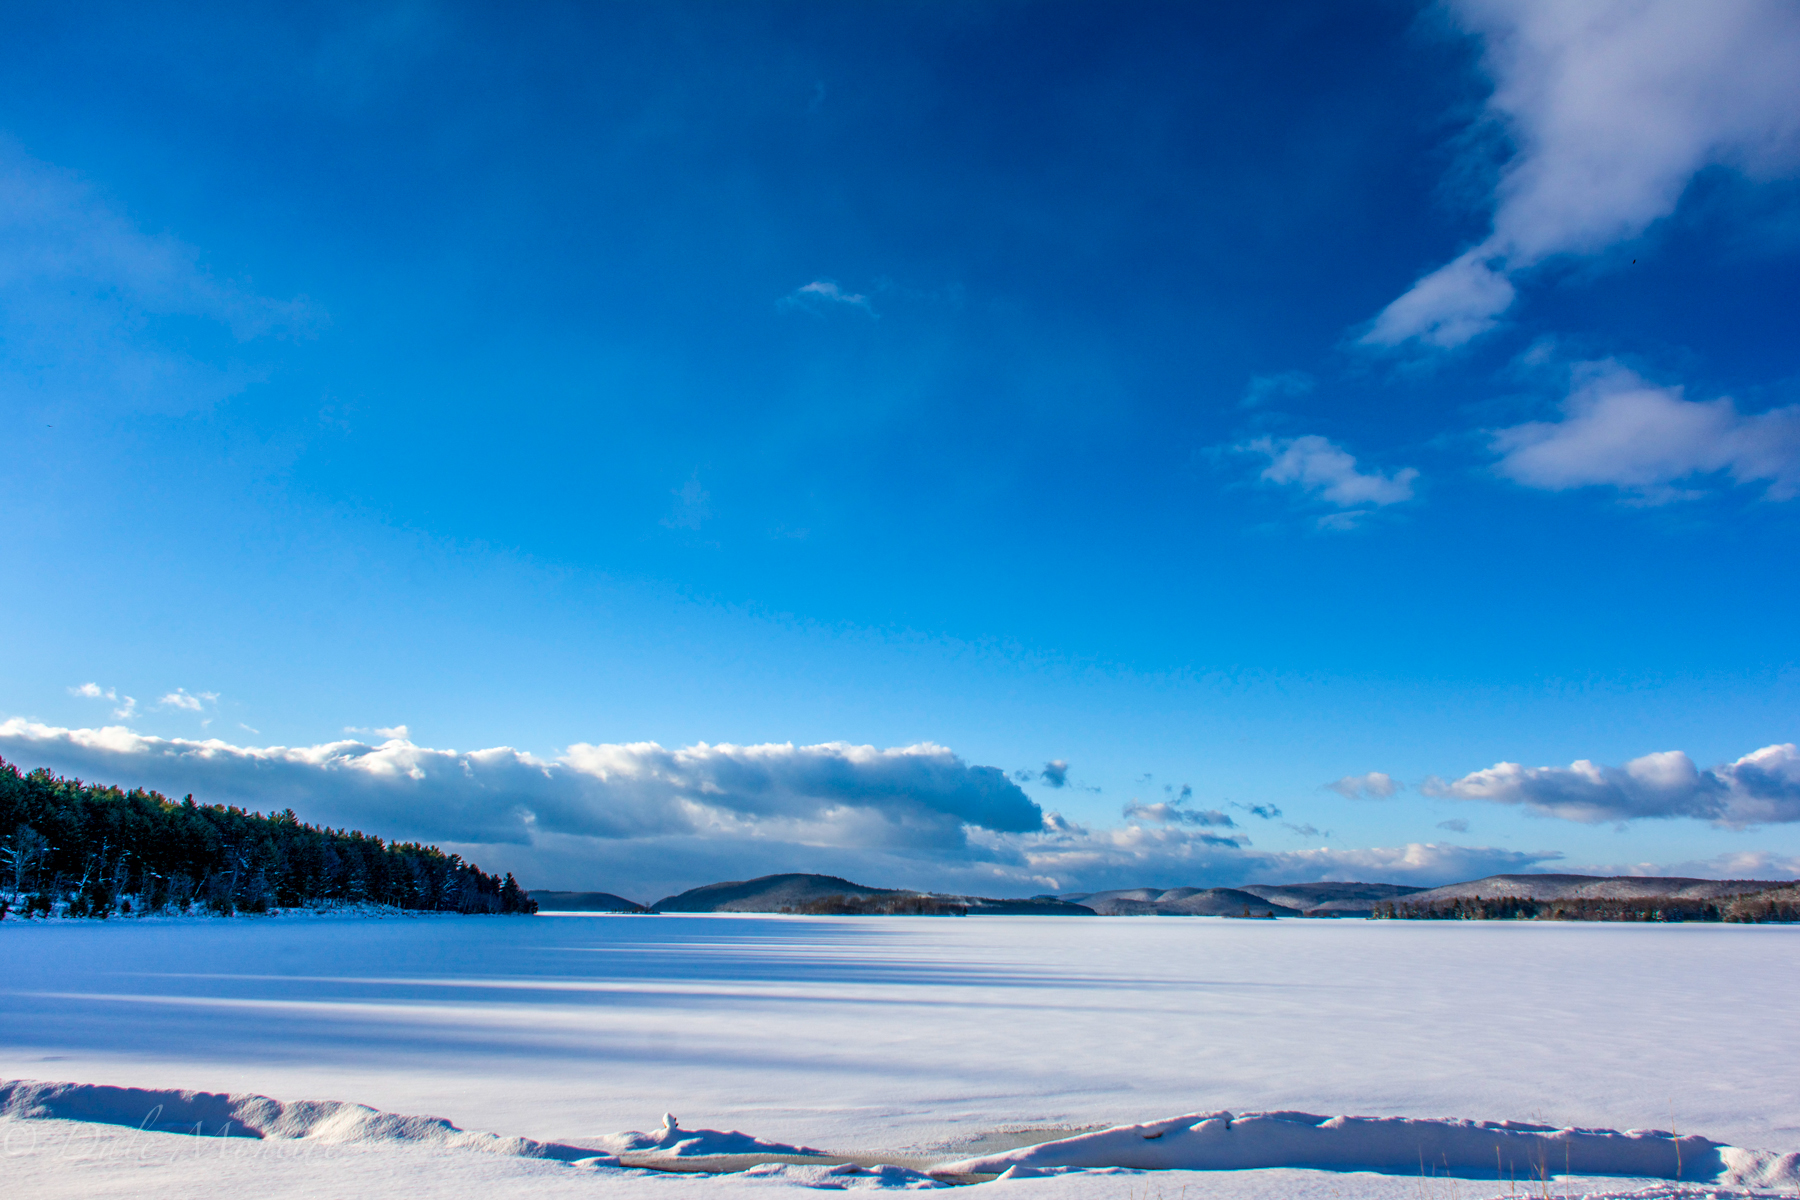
[
  {"x": 75, "y": 849},
  {"x": 1777, "y": 904}
]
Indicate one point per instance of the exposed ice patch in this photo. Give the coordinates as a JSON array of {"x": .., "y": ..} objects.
[{"x": 1398, "y": 1145}]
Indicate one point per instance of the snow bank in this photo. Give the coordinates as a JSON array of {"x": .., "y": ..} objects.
[
  {"x": 672, "y": 1141},
  {"x": 1397, "y": 1145},
  {"x": 335, "y": 1122},
  {"x": 222, "y": 1114}
]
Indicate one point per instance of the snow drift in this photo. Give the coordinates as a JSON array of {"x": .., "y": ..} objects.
[
  {"x": 1397, "y": 1145},
  {"x": 672, "y": 1141},
  {"x": 223, "y": 1114},
  {"x": 336, "y": 1122}
]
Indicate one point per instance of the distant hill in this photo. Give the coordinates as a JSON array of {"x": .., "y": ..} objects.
[
  {"x": 1587, "y": 897},
  {"x": 1581, "y": 897},
  {"x": 1178, "y": 902},
  {"x": 600, "y": 902},
  {"x": 829, "y": 893},
  {"x": 1284, "y": 900},
  {"x": 1594, "y": 887},
  {"x": 1601, "y": 898},
  {"x": 769, "y": 893},
  {"x": 1337, "y": 899}
]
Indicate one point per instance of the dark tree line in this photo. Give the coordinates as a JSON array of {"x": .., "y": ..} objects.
[
  {"x": 88, "y": 850},
  {"x": 1773, "y": 904},
  {"x": 880, "y": 906}
]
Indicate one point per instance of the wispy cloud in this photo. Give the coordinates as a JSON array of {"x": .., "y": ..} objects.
[
  {"x": 390, "y": 732},
  {"x": 1264, "y": 388},
  {"x": 1454, "y": 825},
  {"x": 693, "y": 506},
  {"x": 93, "y": 691},
  {"x": 1165, "y": 813},
  {"x": 1375, "y": 785},
  {"x": 1732, "y": 864},
  {"x": 1611, "y": 107},
  {"x": 1758, "y": 789},
  {"x": 1066, "y": 855},
  {"x": 1326, "y": 470},
  {"x": 823, "y": 295},
  {"x": 181, "y": 699},
  {"x": 1649, "y": 441},
  {"x": 79, "y": 283}
]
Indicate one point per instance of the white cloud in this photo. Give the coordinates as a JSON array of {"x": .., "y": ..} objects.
[
  {"x": 390, "y": 732},
  {"x": 655, "y": 818},
  {"x": 1619, "y": 430},
  {"x": 1611, "y": 107},
  {"x": 1373, "y": 786},
  {"x": 79, "y": 283},
  {"x": 1066, "y": 856},
  {"x": 833, "y": 794},
  {"x": 650, "y": 820},
  {"x": 93, "y": 691},
  {"x": 179, "y": 698},
  {"x": 1733, "y": 864},
  {"x": 1317, "y": 465},
  {"x": 1454, "y": 304},
  {"x": 823, "y": 294},
  {"x": 1759, "y": 788},
  {"x": 1342, "y": 522},
  {"x": 1165, "y": 813}
]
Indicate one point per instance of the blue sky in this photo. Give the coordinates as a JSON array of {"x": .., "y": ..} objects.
[{"x": 1229, "y": 399}]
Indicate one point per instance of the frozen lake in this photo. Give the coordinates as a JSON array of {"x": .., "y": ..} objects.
[{"x": 860, "y": 1034}]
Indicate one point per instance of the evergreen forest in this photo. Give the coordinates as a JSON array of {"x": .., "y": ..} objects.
[
  {"x": 1779, "y": 903},
  {"x": 75, "y": 849}
]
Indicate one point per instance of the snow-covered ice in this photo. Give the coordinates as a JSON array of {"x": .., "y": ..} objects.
[
  {"x": 919, "y": 1039},
  {"x": 1395, "y": 1145}
]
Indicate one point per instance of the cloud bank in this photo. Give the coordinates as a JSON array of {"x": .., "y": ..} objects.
[
  {"x": 646, "y": 820},
  {"x": 1066, "y": 856},
  {"x": 1611, "y": 108},
  {"x": 1758, "y": 789},
  {"x": 833, "y": 794}
]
